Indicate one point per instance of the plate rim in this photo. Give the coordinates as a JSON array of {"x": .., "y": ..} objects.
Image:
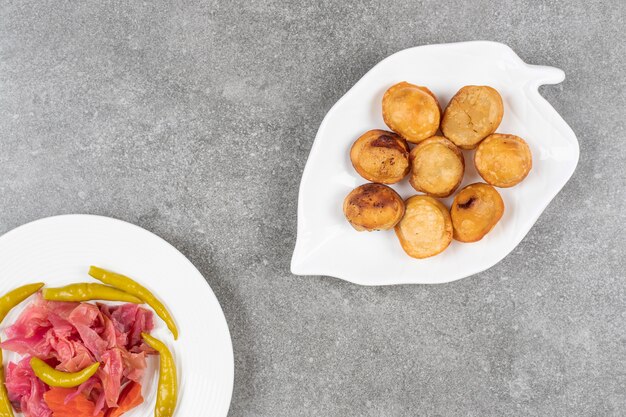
[{"x": 545, "y": 75}]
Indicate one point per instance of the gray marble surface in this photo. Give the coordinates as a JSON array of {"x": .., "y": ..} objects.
[{"x": 194, "y": 120}]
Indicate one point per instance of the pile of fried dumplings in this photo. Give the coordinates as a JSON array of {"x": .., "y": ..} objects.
[{"x": 435, "y": 167}]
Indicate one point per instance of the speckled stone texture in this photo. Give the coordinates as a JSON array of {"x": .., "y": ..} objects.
[{"x": 194, "y": 120}]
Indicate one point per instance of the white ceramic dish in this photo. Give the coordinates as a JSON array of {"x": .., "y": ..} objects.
[
  {"x": 58, "y": 250},
  {"x": 327, "y": 245}
]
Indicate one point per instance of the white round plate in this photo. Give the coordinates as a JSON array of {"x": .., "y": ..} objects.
[
  {"x": 59, "y": 250},
  {"x": 327, "y": 244}
]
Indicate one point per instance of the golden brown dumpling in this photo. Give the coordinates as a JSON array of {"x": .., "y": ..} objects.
[
  {"x": 426, "y": 228},
  {"x": 475, "y": 211},
  {"x": 503, "y": 160},
  {"x": 380, "y": 156},
  {"x": 373, "y": 207},
  {"x": 437, "y": 167},
  {"x": 411, "y": 111},
  {"x": 473, "y": 113}
]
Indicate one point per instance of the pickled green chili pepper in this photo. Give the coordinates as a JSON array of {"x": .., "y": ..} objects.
[
  {"x": 167, "y": 391},
  {"x": 88, "y": 291},
  {"x": 16, "y": 296},
  {"x": 127, "y": 284},
  {"x": 6, "y": 409},
  {"x": 55, "y": 378}
]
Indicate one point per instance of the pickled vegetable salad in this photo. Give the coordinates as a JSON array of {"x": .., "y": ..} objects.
[{"x": 70, "y": 336}]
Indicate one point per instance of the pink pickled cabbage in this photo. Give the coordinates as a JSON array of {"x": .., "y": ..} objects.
[
  {"x": 26, "y": 390},
  {"x": 70, "y": 336}
]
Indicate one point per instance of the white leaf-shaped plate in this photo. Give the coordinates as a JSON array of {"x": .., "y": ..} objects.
[{"x": 327, "y": 244}]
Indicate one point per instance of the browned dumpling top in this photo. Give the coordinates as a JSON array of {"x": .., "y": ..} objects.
[
  {"x": 373, "y": 207},
  {"x": 503, "y": 160},
  {"x": 380, "y": 156},
  {"x": 475, "y": 211},
  {"x": 473, "y": 113},
  {"x": 411, "y": 111},
  {"x": 437, "y": 167},
  {"x": 426, "y": 228}
]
